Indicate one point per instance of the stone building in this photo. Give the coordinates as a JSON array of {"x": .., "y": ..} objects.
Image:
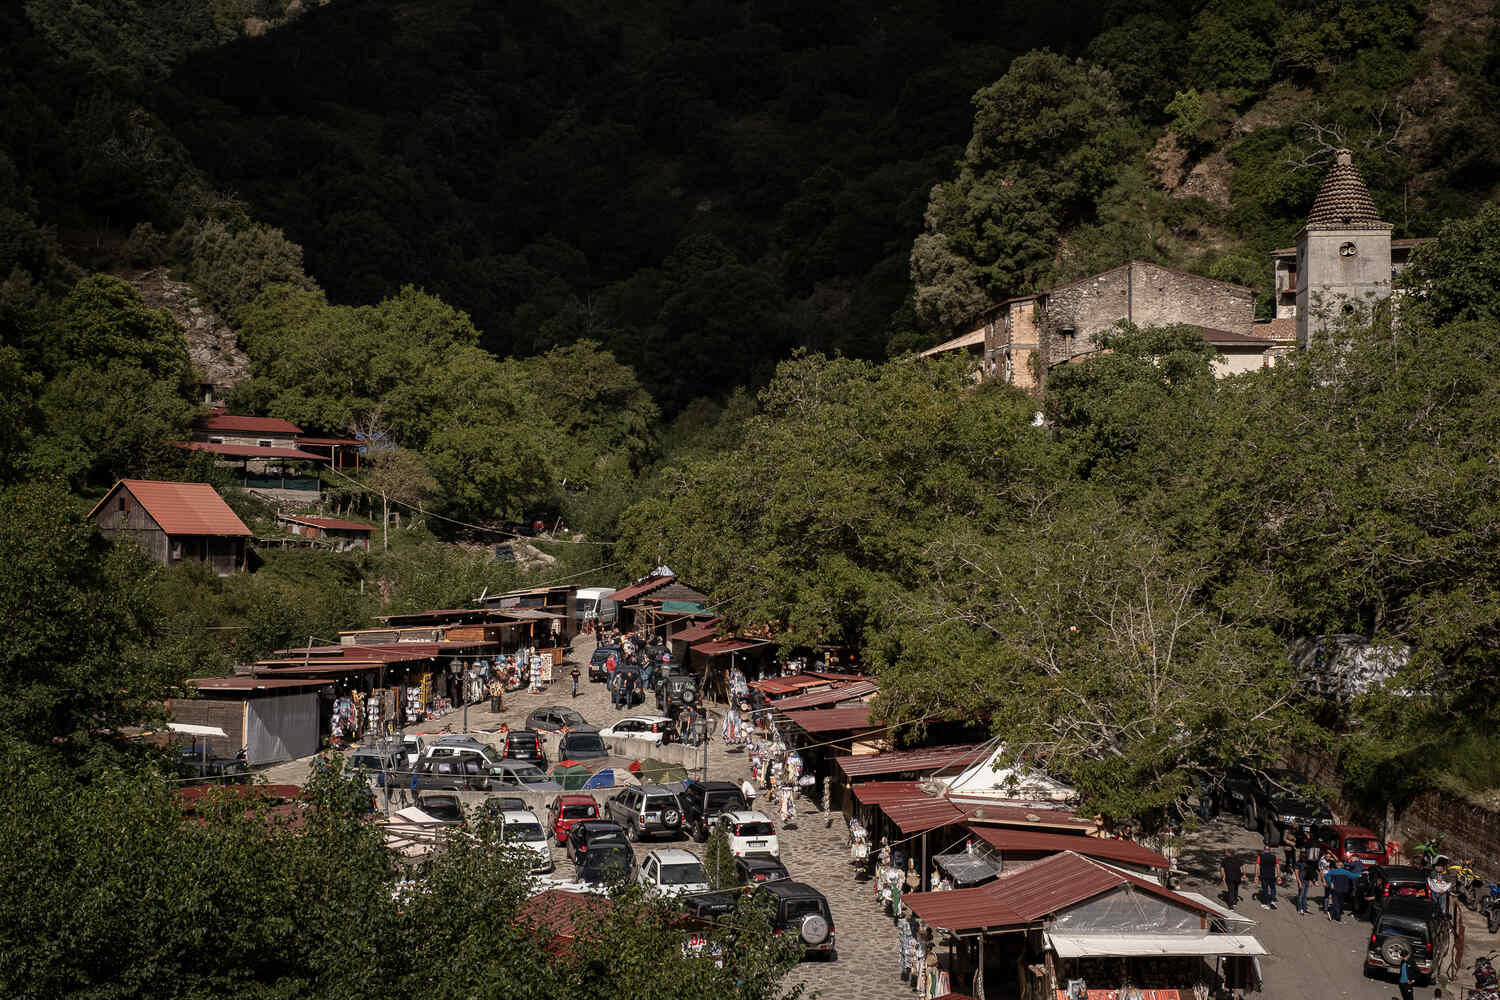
[
  {"x": 1019, "y": 340},
  {"x": 174, "y": 522},
  {"x": 1344, "y": 257}
]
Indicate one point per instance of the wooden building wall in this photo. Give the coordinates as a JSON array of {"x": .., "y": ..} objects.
[
  {"x": 123, "y": 517},
  {"x": 226, "y": 713}
]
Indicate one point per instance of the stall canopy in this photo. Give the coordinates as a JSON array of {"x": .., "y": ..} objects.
[
  {"x": 1152, "y": 945},
  {"x": 821, "y": 699},
  {"x": 721, "y": 646},
  {"x": 1008, "y": 840},
  {"x": 571, "y": 775},
  {"x": 697, "y": 633},
  {"x": 658, "y": 772},
  {"x": 638, "y": 588},
  {"x": 924, "y": 761},
  {"x": 968, "y": 869},
  {"x": 828, "y": 720}
]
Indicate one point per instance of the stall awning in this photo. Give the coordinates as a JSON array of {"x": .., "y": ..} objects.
[
  {"x": 1149, "y": 945},
  {"x": 192, "y": 730},
  {"x": 1010, "y": 840},
  {"x": 967, "y": 869},
  {"x": 722, "y": 646}
]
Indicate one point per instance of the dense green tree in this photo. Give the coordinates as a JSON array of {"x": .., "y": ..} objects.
[{"x": 102, "y": 319}]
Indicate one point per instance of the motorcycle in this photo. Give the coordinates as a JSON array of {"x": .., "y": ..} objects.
[
  {"x": 1427, "y": 854},
  {"x": 1486, "y": 984},
  {"x": 1489, "y": 908},
  {"x": 1467, "y": 885}
]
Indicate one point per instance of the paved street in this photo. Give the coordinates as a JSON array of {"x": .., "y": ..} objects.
[{"x": 1310, "y": 957}]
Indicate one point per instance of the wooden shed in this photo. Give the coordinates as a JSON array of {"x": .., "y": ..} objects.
[
  {"x": 338, "y": 534},
  {"x": 174, "y": 522}
]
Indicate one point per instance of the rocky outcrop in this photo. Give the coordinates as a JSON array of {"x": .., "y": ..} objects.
[{"x": 212, "y": 345}]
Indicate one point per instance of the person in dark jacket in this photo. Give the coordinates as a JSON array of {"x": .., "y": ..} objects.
[
  {"x": 1267, "y": 862},
  {"x": 1232, "y": 874}
]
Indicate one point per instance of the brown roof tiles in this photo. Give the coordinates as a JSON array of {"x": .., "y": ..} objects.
[{"x": 1344, "y": 202}]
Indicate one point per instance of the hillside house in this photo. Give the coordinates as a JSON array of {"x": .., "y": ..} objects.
[
  {"x": 266, "y": 452},
  {"x": 1020, "y": 340},
  {"x": 332, "y": 532},
  {"x": 174, "y": 523}
]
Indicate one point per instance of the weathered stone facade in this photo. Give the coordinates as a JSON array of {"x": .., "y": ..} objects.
[{"x": 213, "y": 347}]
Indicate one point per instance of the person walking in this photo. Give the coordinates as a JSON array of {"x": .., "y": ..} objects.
[
  {"x": 747, "y": 788},
  {"x": 1267, "y": 862},
  {"x": 1404, "y": 979},
  {"x": 1340, "y": 885},
  {"x": 1307, "y": 874},
  {"x": 1438, "y": 885},
  {"x": 1231, "y": 873},
  {"x": 575, "y": 680}
]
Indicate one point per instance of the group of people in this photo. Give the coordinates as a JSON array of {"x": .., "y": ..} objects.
[{"x": 1310, "y": 865}]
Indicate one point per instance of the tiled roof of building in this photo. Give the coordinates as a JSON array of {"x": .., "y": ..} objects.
[
  {"x": 1344, "y": 202},
  {"x": 181, "y": 508},
  {"x": 234, "y": 423}
]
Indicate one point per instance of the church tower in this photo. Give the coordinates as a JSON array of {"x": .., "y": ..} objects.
[{"x": 1344, "y": 252}]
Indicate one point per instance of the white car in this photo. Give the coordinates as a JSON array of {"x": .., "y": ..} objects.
[
  {"x": 750, "y": 832},
  {"x": 522, "y": 828},
  {"x": 672, "y": 872},
  {"x": 414, "y": 745},
  {"x": 640, "y": 727}
]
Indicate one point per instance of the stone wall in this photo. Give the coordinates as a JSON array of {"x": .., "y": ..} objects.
[
  {"x": 1161, "y": 296},
  {"x": 1469, "y": 831},
  {"x": 213, "y": 347}
]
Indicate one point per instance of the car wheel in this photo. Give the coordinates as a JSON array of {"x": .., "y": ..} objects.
[
  {"x": 1493, "y": 919},
  {"x": 1395, "y": 951},
  {"x": 633, "y": 833}
]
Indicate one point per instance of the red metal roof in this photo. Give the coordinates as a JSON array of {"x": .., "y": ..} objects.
[
  {"x": 639, "y": 587},
  {"x": 251, "y": 451},
  {"x": 1038, "y": 817},
  {"x": 329, "y": 442},
  {"x": 560, "y": 912},
  {"x": 722, "y": 646},
  {"x": 818, "y": 699},
  {"x": 244, "y": 683},
  {"x": 1037, "y": 891},
  {"x": 327, "y": 523},
  {"x": 1123, "y": 851},
  {"x": 697, "y": 633},
  {"x": 827, "y": 720},
  {"x": 248, "y": 425},
  {"x": 297, "y": 668},
  {"x": 874, "y": 793},
  {"x": 181, "y": 508},
  {"x": 926, "y": 760},
  {"x": 786, "y": 685},
  {"x": 915, "y": 815}
]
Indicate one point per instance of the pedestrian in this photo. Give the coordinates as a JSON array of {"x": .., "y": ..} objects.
[
  {"x": 1231, "y": 873},
  {"x": 748, "y": 788},
  {"x": 1439, "y": 885},
  {"x": 575, "y": 680},
  {"x": 1340, "y": 885},
  {"x": 1267, "y": 862},
  {"x": 1324, "y": 865},
  {"x": 1404, "y": 979},
  {"x": 1307, "y": 873}
]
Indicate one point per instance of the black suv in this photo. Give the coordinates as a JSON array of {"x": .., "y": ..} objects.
[
  {"x": 606, "y": 863},
  {"x": 703, "y": 801},
  {"x": 676, "y": 693},
  {"x": 802, "y": 910},
  {"x": 525, "y": 744},
  {"x": 592, "y": 834},
  {"x": 1380, "y": 884},
  {"x": 1405, "y": 929},
  {"x": 601, "y": 654},
  {"x": 646, "y": 811},
  {"x": 1273, "y": 802},
  {"x": 758, "y": 868},
  {"x": 452, "y": 774}
]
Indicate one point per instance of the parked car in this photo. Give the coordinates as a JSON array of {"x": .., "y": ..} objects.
[
  {"x": 381, "y": 764},
  {"x": 591, "y": 834},
  {"x": 523, "y": 829},
  {"x": 703, "y": 801},
  {"x": 496, "y": 805},
  {"x": 652, "y": 729},
  {"x": 1405, "y": 929},
  {"x": 709, "y": 905},
  {"x": 1272, "y": 802},
  {"x": 664, "y": 667},
  {"x": 1350, "y": 842},
  {"x": 674, "y": 694},
  {"x": 515, "y": 776},
  {"x": 582, "y": 743},
  {"x": 525, "y": 744},
  {"x": 750, "y": 832},
  {"x": 672, "y": 872},
  {"x": 606, "y": 863},
  {"x": 754, "y": 869},
  {"x": 449, "y": 773},
  {"x": 646, "y": 811},
  {"x": 800, "y": 909},
  {"x": 457, "y": 746},
  {"x": 597, "y": 668},
  {"x": 1382, "y": 883},
  {"x": 554, "y": 719},
  {"x": 442, "y": 808},
  {"x": 566, "y": 810}
]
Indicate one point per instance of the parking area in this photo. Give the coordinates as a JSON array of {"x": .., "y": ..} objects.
[{"x": 1310, "y": 956}]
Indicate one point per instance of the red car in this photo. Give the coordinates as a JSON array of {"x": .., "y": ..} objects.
[
  {"x": 1349, "y": 842},
  {"x": 565, "y": 810}
]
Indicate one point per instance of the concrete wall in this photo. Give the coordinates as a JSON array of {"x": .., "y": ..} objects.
[
  {"x": 1237, "y": 361},
  {"x": 1327, "y": 279}
]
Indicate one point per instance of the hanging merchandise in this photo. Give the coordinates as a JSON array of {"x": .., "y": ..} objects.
[{"x": 534, "y": 663}]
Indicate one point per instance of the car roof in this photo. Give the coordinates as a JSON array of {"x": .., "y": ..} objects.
[
  {"x": 789, "y": 889},
  {"x": 673, "y": 856},
  {"x": 597, "y": 823},
  {"x": 1354, "y": 831},
  {"x": 747, "y": 816},
  {"x": 1409, "y": 906},
  {"x": 576, "y": 799},
  {"x": 530, "y": 734},
  {"x": 716, "y": 786},
  {"x": 760, "y": 861},
  {"x": 519, "y": 816},
  {"x": 657, "y": 790},
  {"x": 641, "y": 718},
  {"x": 584, "y": 730},
  {"x": 1402, "y": 873}
]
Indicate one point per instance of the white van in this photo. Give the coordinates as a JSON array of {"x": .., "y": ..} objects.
[{"x": 593, "y": 607}]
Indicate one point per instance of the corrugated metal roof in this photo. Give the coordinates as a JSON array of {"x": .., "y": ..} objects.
[
  {"x": 926, "y": 760},
  {"x": 1124, "y": 851},
  {"x": 248, "y": 425},
  {"x": 314, "y": 668},
  {"x": 962, "y": 909},
  {"x": 560, "y": 912},
  {"x": 917, "y": 815},
  {"x": 244, "y": 683},
  {"x": 639, "y": 587},
  {"x": 849, "y": 692},
  {"x": 1230, "y": 339},
  {"x": 971, "y": 339},
  {"x": 697, "y": 633},
  {"x": 326, "y": 523},
  {"x": 329, "y": 442},
  {"x": 827, "y": 720},
  {"x": 1031, "y": 816},
  {"x": 250, "y": 451},
  {"x": 787, "y": 685},
  {"x": 181, "y": 508},
  {"x": 874, "y": 793},
  {"x": 722, "y": 646}
]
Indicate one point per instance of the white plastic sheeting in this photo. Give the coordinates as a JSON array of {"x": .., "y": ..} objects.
[
  {"x": 1128, "y": 909},
  {"x": 1162, "y": 945},
  {"x": 280, "y": 728}
]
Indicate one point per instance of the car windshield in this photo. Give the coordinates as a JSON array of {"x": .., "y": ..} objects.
[
  {"x": 367, "y": 761},
  {"x": 602, "y": 865},
  {"x": 717, "y": 801},
  {"x": 756, "y": 829},
  {"x": 1410, "y": 926},
  {"x": 684, "y": 873},
  {"x": 1362, "y": 845},
  {"x": 579, "y": 812},
  {"x": 587, "y": 742},
  {"x": 524, "y": 831}
]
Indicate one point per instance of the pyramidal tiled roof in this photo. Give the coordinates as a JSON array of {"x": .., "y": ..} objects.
[{"x": 1344, "y": 202}]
